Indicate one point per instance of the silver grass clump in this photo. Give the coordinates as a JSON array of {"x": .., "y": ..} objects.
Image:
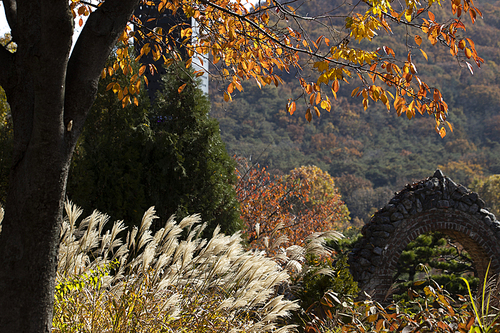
[
  {"x": 164, "y": 282},
  {"x": 293, "y": 258}
]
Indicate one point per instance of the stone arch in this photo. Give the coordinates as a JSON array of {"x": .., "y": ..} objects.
[{"x": 433, "y": 204}]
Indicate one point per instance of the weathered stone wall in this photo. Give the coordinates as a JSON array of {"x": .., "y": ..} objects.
[{"x": 433, "y": 204}]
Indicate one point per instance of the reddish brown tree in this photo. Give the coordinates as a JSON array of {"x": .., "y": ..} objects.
[{"x": 292, "y": 206}]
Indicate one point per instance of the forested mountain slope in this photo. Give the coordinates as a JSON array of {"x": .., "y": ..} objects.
[{"x": 374, "y": 153}]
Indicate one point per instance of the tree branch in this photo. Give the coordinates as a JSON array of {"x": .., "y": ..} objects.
[
  {"x": 89, "y": 56},
  {"x": 11, "y": 14},
  {"x": 244, "y": 18}
]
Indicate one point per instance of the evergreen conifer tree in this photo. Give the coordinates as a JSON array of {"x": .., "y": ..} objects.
[
  {"x": 446, "y": 262},
  {"x": 189, "y": 169},
  {"x": 169, "y": 155}
]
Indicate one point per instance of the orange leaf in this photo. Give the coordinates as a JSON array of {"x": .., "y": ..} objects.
[
  {"x": 424, "y": 54},
  {"x": 308, "y": 115},
  {"x": 354, "y": 92},
  {"x": 468, "y": 53},
  {"x": 449, "y": 125},
  {"x": 81, "y": 10},
  {"x": 316, "y": 110},
  {"x": 181, "y": 88},
  {"x": 142, "y": 69},
  {"x": 418, "y": 40},
  {"x": 437, "y": 95},
  {"x": 336, "y": 86},
  {"x": 126, "y": 101},
  {"x": 291, "y": 108}
]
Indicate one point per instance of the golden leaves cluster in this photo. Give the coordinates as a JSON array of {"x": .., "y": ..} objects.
[
  {"x": 248, "y": 42},
  {"x": 383, "y": 76}
]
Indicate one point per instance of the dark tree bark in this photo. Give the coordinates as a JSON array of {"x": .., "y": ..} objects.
[{"x": 46, "y": 89}]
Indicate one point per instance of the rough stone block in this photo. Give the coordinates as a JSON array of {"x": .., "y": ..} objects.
[
  {"x": 364, "y": 263},
  {"x": 402, "y": 209},
  {"x": 391, "y": 208},
  {"x": 381, "y": 234},
  {"x": 481, "y": 203},
  {"x": 474, "y": 208},
  {"x": 419, "y": 205},
  {"x": 463, "y": 190},
  {"x": 397, "y": 216},
  {"x": 438, "y": 174},
  {"x": 408, "y": 204},
  {"x": 443, "y": 204},
  {"x": 463, "y": 207}
]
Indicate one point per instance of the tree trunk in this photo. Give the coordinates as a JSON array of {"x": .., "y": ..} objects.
[
  {"x": 46, "y": 90},
  {"x": 29, "y": 240}
]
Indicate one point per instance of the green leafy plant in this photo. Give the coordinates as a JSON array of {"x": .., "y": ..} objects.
[{"x": 486, "y": 321}]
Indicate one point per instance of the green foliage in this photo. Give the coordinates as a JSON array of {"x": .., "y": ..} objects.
[
  {"x": 169, "y": 155},
  {"x": 437, "y": 255},
  {"x": 314, "y": 285},
  {"x": 109, "y": 161},
  {"x": 190, "y": 170}
]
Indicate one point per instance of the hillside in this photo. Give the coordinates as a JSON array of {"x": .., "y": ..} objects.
[{"x": 374, "y": 153}]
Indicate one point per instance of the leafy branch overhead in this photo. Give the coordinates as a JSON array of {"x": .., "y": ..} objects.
[{"x": 260, "y": 42}]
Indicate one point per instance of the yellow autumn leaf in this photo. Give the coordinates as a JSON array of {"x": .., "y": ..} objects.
[
  {"x": 291, "y": 107},
  {"x": 468, "y": 53},
  {"x": 408, "y": 14},
  {"x": 424, "y": 54},
  {"x": 326, "y": 105},
  {"x": 316, "y": 110}
]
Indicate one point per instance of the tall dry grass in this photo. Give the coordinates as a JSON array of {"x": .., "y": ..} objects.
[
  {"x": 171, "y": 280},
  {"x": 163, "y": 282}
]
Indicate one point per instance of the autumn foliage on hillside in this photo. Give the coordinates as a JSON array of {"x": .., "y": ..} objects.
[{"x": 294, "y": 206}]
